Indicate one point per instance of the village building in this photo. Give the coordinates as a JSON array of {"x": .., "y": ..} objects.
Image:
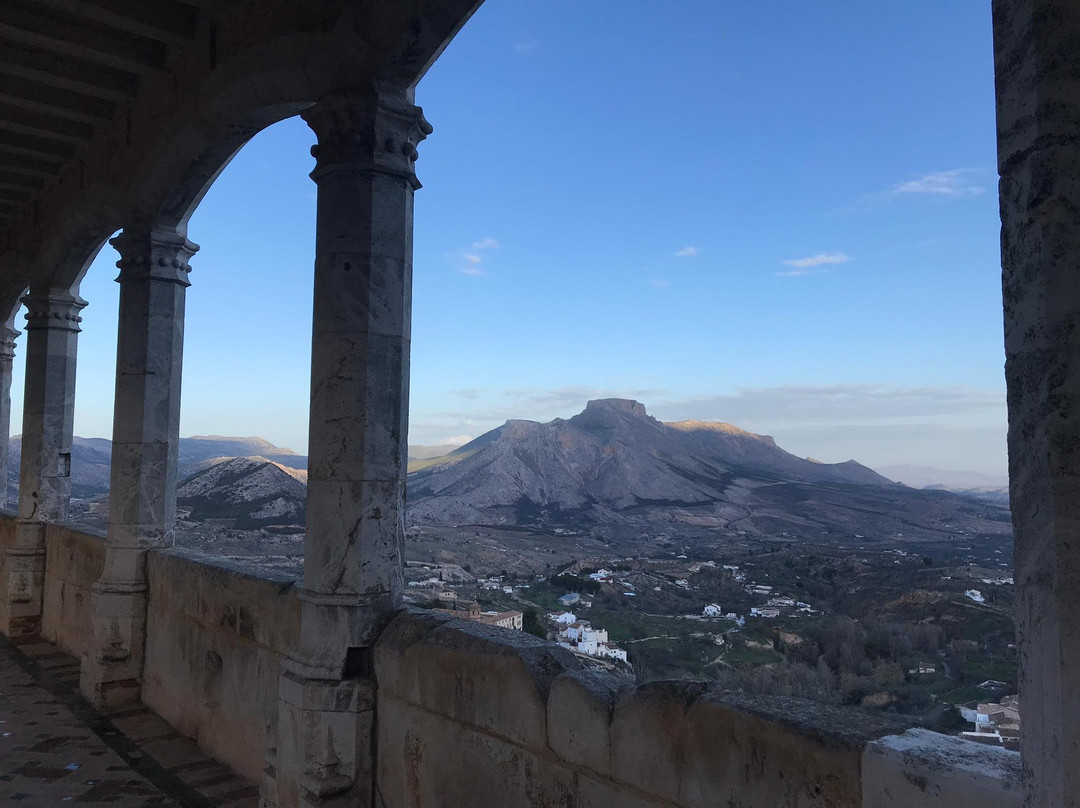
[
  {"x": 512, "y": 620},
  {"x": 583, "y": 638},
  {"x": 994, "y": 724}
]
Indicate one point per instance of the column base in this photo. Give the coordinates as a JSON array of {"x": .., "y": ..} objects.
[
  {"x": 324, "y": 754},
  {"x": 23, "y": 583},
  {"x": 113, "y": 665}
]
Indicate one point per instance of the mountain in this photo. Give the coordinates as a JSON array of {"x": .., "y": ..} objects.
[
  {"x": 926, "y": 476},
  {"x": 198, "y": 449},
  {"x": 428, "y": 452},
  {"x": 253, "y": 491},
  {"x": 91, "y": 458},
  {"x": 990, "y": 487},
  {"x": 612, "y": 463}
]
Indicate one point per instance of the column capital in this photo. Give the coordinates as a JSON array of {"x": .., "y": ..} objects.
[
  {"x": 8, "y": 335},
  {"x": 374, "y": 130},
  {"x": 58, "y": 310},
  {"x": 153, "y": 253}
]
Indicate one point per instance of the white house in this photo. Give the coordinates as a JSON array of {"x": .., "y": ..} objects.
[
  {"x": 712, "y": 610},
  {"x": 612, "y": 652},
  {"x": 768, "y": 613},
  {"x": 564, "y": 618}
]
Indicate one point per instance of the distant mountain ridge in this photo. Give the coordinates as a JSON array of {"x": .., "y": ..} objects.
[
  {"x": 601, "y": 465},
  {"x": 91, "y": 458}
]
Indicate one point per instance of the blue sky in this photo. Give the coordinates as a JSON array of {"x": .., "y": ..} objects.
[{"x": 782, "y": 215}]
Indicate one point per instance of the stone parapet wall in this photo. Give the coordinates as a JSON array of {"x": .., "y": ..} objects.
[
  {"x": 73, "y": 562},
  {"x": 473, "y": 715},
  {"x": 469, "y": 714},
  {"x": 216, "y": 635}
]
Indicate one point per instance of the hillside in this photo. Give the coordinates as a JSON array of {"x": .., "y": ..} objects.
[
  {"x": 613, "y": 463},
  {"x": 253, "y": 491},
  {"x": 91, "y": 458}
]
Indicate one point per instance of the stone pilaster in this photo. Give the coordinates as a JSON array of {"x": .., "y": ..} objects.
[
  {"x": 1037, "y": 70},
  {"x": 52, "y": 331},
  {"x": 357, "y": 441},
  {"x": 146, "y": 433},
  {"x": 7, "y": 358}
]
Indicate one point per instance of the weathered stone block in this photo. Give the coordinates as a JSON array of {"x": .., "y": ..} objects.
[
  {"x": 73, "y": 562},
  {"x": 429, "y": 761},
  {"x": 579, "y": 711},
  {"x": 932, "y": 770},
  {"x": 485, "y": 676},
  {"x": 216, "y": 637}
]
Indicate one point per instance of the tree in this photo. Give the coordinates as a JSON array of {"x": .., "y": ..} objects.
[{"x": 531, "y": 623}]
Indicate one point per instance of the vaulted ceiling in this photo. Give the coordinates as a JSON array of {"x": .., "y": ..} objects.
[{"x": 68, "y": 68}]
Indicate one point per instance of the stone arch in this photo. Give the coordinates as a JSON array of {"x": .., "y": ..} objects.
[{"x": 242, "y": 95}]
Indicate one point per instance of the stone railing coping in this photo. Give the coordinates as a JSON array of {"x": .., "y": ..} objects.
[
  {"x": 81, "y": 529},
  {"x": 921, "y": 767},
  {"x": 229, "y": 566},
  {"x": 546, "y": 661},
  {"x": 684, "y": 742}
]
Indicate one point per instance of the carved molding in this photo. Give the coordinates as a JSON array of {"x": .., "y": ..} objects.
[
  {"x": 53, "y": 310},
  {"x": 8, "y": 336},
  {"x": 154, "y": 253},
  {"x": 376, "y": 131}
]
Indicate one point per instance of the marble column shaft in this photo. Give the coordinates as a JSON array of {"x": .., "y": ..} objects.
[
  {"x": 1037, "y": 69},
  {"x": 357, "y": 445},
  {"x": 146, "y": 433},
  {"x": 7, "y": 358},
  {"x": 359, "y": 369},
  {"x": 52, "y": 330}
]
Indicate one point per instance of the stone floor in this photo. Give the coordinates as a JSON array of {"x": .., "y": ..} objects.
[{"x": 56, "y": 748}]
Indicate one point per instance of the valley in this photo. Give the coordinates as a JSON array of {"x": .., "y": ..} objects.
[{"x": 831, "y": 582}]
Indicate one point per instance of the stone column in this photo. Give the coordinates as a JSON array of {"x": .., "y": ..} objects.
[
  {"x": 146, "y": 433},
  {"x": 7, "y": 358},
  {"x": 1037, "y": 69},
  {"x": 357, "y": 441},
  {"x": 52, "y": 331}
]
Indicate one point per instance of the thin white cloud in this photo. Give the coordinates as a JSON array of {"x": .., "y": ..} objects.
[
  {"x": 454, "y": 440},
  {"x": 474, "y": 260},
  {"x": 660, "y": 283},
  {"x": 688, "y": 252},
  {"x": 803, "y": 405},
  {"x": 817, "y": 260},
  {"x": 468, "y": 392},
  {"x": 955, "y": 183},
  {"x": 523, "y": 48},
  {"x": 798, "y": 273}
]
